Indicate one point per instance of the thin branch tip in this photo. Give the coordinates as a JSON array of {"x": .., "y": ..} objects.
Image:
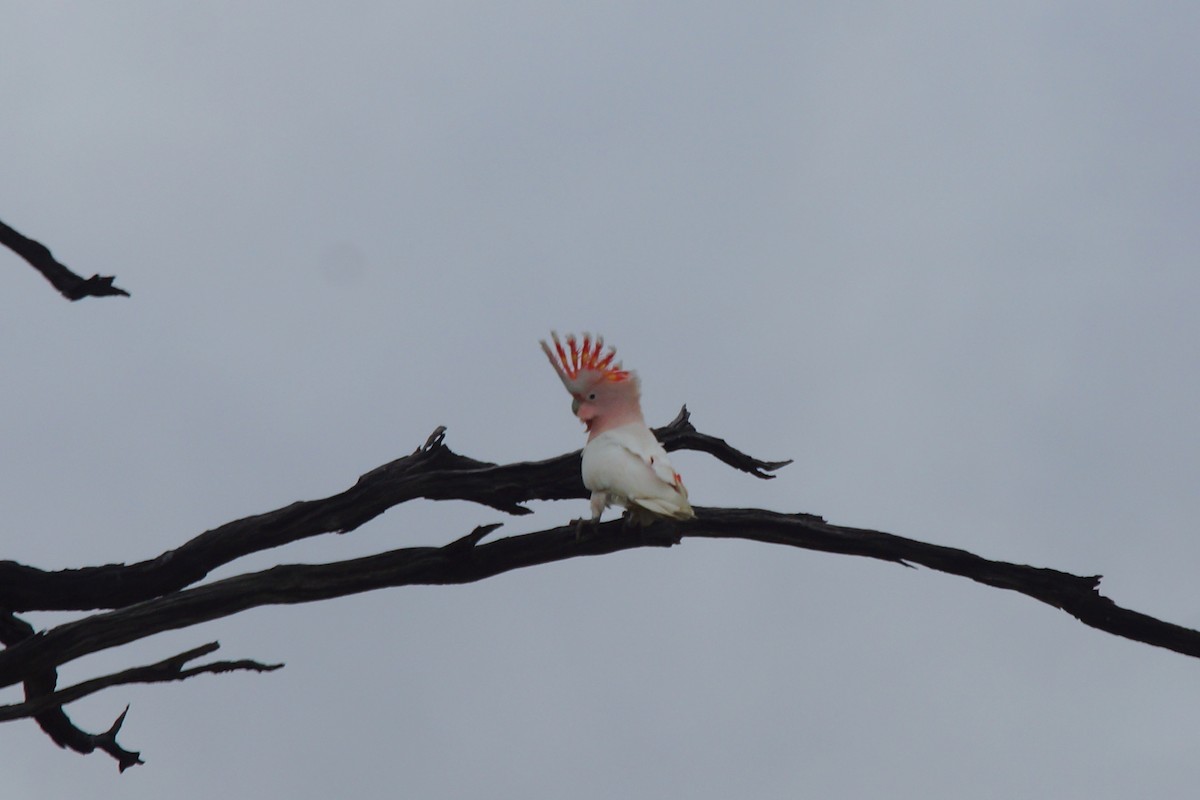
[
  {"x": 116, "y": 726},
  {"x": 435, "y": 439},
  {"x": 468, "y": 542},
  {"x": 107, "y": 742},
  {"x": 683, "y": 420}
]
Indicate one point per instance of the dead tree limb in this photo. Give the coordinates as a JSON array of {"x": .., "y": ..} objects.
[
  {"x": 169, "y": 669},
  {"x": 53, "y": 720},
  {"x": 161, "y": 594},
  {"x": 47, "y": 708},
  {"x": 466, "y": 560},
  {"x": 71, "y": 286},
  {"x": 433, "y": 471}
]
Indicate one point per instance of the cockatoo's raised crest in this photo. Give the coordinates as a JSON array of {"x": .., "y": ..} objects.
[{"x": 573, "y": 362}]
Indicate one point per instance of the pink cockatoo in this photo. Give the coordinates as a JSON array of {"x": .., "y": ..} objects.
[{"x": 623, "y": 463}]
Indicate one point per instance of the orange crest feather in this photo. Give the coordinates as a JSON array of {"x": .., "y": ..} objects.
[{"x": 586, "y": 356}]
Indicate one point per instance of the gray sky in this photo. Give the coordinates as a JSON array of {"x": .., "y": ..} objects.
[{"x": 943, "y": 255}]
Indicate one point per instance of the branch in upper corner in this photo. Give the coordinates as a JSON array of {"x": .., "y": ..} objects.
[{"x": 70, "y": 285}]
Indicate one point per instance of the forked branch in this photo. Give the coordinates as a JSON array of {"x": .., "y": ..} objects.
[{"x": 161, "y": 594}]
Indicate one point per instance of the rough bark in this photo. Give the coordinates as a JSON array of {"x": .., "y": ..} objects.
[{"x": 138, "y": 600}]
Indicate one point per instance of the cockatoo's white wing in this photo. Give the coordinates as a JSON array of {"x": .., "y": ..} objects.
[{"x": 631, "y": 466}]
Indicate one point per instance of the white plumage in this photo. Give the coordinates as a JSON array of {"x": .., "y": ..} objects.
[{"x": 627, "y": 466}]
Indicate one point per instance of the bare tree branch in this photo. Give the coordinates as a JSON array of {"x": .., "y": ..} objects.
[
  {"x": 169, "y": 669},
  {"x": 53, "y": 720},
  {"x": 465, "y": 561},
  {"x": 106, "y": 743},
  {"x": 160, "y": 595},
  {"x": 433, "y": 471},
  {"x": 70, "y": 285}
]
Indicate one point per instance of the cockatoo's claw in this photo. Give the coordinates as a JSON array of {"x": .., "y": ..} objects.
[
  {"x": 583, "y": 522},
  {"x": 637, "y": 519}
]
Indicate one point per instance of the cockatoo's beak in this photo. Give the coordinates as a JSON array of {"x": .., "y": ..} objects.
[{"x": 575, "y": 406}]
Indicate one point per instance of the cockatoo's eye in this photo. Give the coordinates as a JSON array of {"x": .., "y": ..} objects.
[{"x": 592, "y": 396}]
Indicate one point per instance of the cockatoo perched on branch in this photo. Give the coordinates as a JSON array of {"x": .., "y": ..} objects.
[{"x": 623, "y": 463}]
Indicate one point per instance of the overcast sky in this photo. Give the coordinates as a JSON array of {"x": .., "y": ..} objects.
[{"x": 943, "y": 255}]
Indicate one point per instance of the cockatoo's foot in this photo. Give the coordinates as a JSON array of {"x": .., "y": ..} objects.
[
  {"x": 591, "y": 525},
  {"x": 647, "y": 528},
  {"x": 637, "y": 519}
]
